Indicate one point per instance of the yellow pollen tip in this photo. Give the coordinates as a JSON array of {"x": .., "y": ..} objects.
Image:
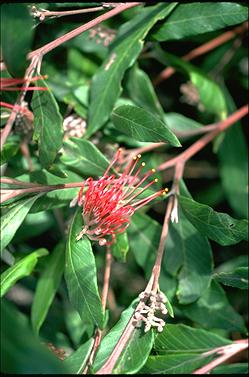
[
  {"x": 153, "y": 170},
  {"x": 163, "y": 193},
  {"x": 166, "y": 189},
  {"x": 143, "y": 164},
  {"x": 134, "y": 158},
  {"x": 120, "y": 149},
  {"x": 139, "y": 156},
  {"x": 156, "y": 180}
]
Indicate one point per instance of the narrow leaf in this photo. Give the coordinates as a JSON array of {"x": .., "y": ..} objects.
[
  {"x": 238, "y": 278},
  {"x": 15, "y": 39},
  {"x": 217, "y": 226},
  {"x": 21, "y": 351},
  {"x": 183, "y": 363},
  {"x": 11, "y": 221},
  {"x": 210, "y": 94},
  {"x": 48, "y": 124},
  {"x": 233, "y": 164},
  {"x": 121, "y": 247},
  {"x": 185, "y": 339},
  {"x": 76, "y": 362},
  {"x": 213, "y": 310},
  {"x": 106, "y": 83},
  {"x": 197, "y": 18},
  {"x": 142, "y": 92},
  {"x": 22, "y": 268},
  {"x": 135, "y": 352},
  {"x": 80, "y": 274},
  {"x": 195, "y": 274},
  {"x": 83, "y": 157},
  {"x": 47, "y": 286},
  {"x": 142, "y": 125}
]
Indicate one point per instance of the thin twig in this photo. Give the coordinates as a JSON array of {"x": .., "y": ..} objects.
[
  {"x": 110, "y": 363},
  {"x": 99, "y": 332},
  {"x": 203, "y": 49},
  {"x": 74, "y": 33},
  {"x": 43, "y": 13},
  {"x": 28, "y": 78},
  {"x": 226, "y": 353},
  {"x": 201, "y": 143}
]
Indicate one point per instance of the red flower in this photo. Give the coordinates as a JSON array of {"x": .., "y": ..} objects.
[{"x": 109, "y": 202}]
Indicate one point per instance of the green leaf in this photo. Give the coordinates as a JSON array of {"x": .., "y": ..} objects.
[
  {"x": 174, "y": 363},
  {"x": 182, "y": 349},
  {"x": 210, "y": 94},
  {"x": 233, "y": 162},
  {"x": 195, "y": 273},
  {"x": 106, "y": 83},
  {"x": 217, "y": 226},
  {"x": 21, "y": 352},
  {"x": 121, "y": 247},
  {"x": 83, "y": 157},
  {"x": 180, "y": 123},
  {"x": 144, "y": 235},
  {"x": 80, "y": 274},
  {"x": 9, "y": 150},
  {"x": 142, "y": 92},
  {"x": 238, "y": 278},
  {"x": 76, "y": 362},
  {"x": 235, "y": 369},
  {"x": 47, "y": 286},
  {"x": 185, "y": 339},
  {"x": 197, "y": 18},
  {"x": 56, "y": 198},
  {"x": 22, "y": 268},
  {"x": 213, "y": 310},
  {"x": 48, "y": 124},
  {"x": 142, "y": 125},
  {"x": 16, "y": 39},
  {"x": 136, "y": 351},
  {"x": 233, "y": 263},
  {"x": 11, "y": 220}
]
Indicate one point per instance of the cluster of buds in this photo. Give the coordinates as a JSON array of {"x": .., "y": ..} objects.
[
  {"x": 74, "y": 126},
  {"x": 191, "y": 95},
  {"x": 103, "y": 35},
  {"x": 110, "y": 201},
  {"x": 153, "y": 302}
]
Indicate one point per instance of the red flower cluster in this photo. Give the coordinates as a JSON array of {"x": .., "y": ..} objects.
[{"x": 109, "y": 202}]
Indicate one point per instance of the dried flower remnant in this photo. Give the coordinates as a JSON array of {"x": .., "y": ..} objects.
[{"x": 109, "y": 202}]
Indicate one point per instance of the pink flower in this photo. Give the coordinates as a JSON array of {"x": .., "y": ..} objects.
[{"x": 109, "y": 202}]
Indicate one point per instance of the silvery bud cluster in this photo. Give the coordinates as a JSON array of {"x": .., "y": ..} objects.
[
  {"x": 155, "y": 302},
  {"x": 74, "y": 125}
]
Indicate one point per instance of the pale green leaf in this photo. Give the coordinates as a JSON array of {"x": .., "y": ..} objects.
[
  {"x": 22, "y": 268},
  {"x": 11, "y": 220}
]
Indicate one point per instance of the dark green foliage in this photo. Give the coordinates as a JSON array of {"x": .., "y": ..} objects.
[{"x": 103, "y": 94}]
